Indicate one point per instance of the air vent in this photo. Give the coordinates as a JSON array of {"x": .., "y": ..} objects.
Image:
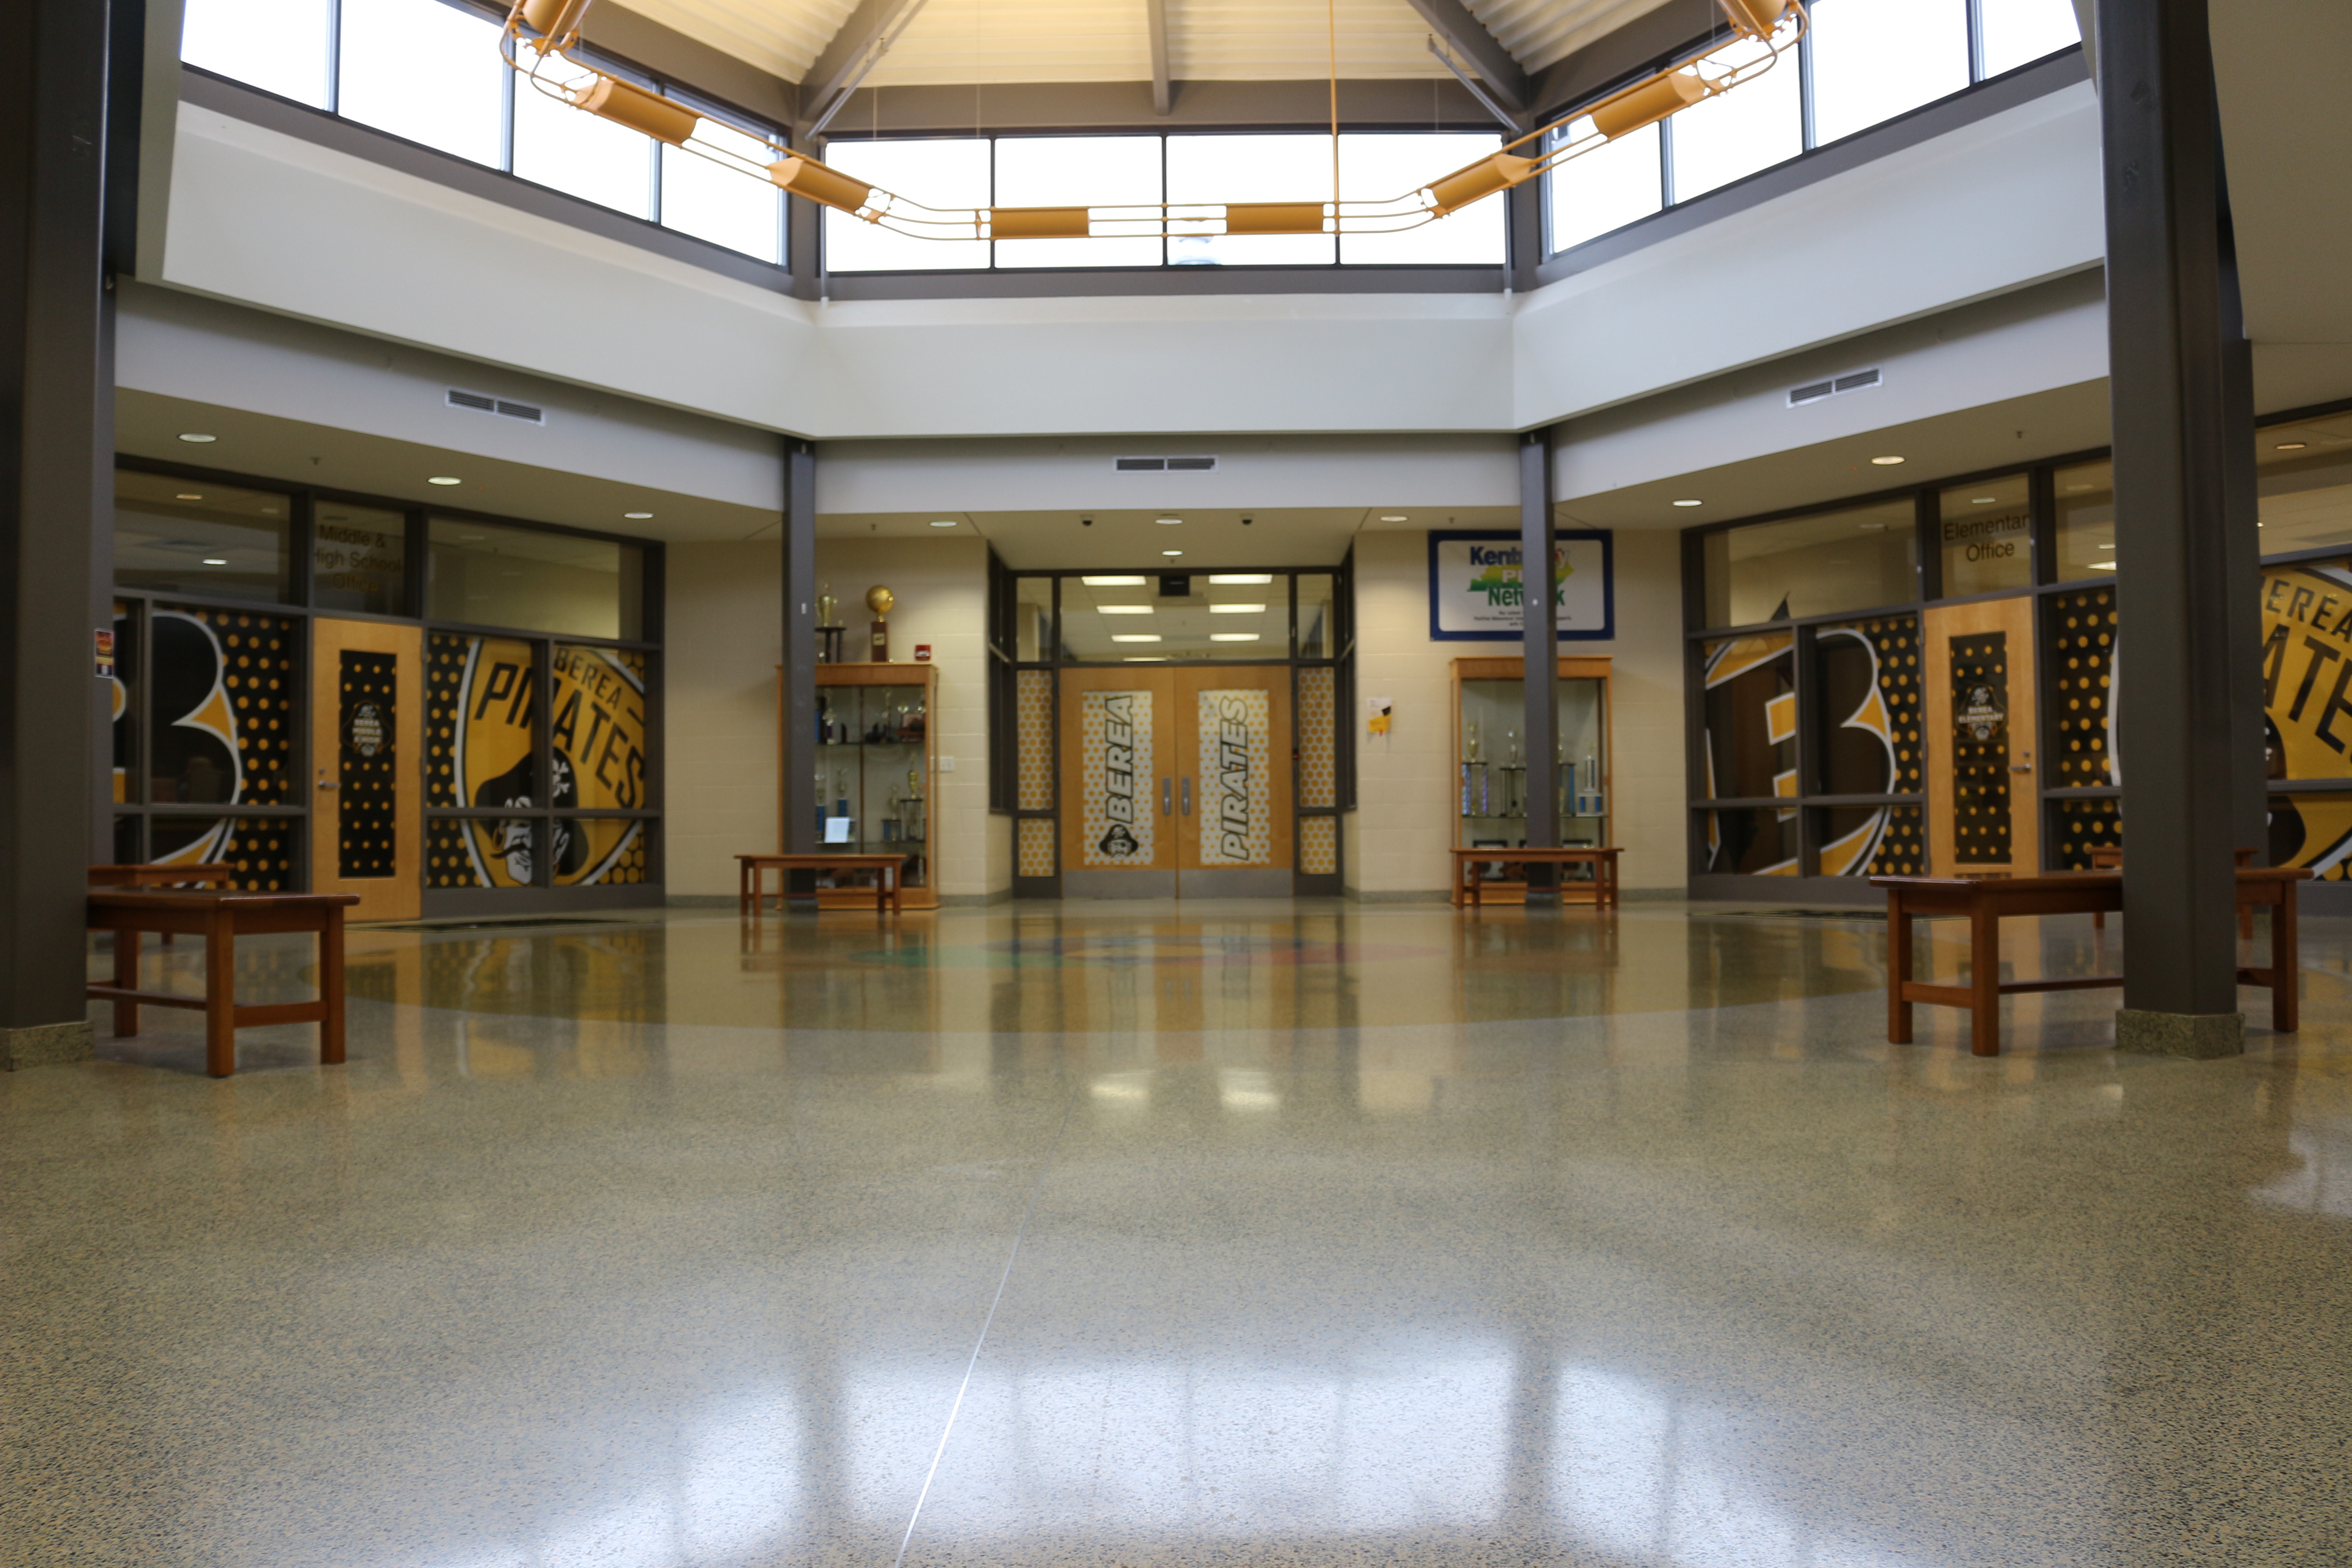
[
  {"x": 1163, "y": 465},
  {"x": 1836, "y": 387},
  {"x": 482, "y": 403}
]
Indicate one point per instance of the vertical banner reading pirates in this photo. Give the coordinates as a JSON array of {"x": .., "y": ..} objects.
[
  {"x": 1237, "y": 807},
  {"x": 596, "y": 733},
  {"x": 1114, "y": 807}
]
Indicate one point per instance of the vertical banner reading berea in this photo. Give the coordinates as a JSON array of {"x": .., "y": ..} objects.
[
  {"x": 1236, "y": 732},
  {"x": 1116, "y": 826}
]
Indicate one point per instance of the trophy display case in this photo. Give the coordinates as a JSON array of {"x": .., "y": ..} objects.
[
  {"x": 1490, "y": 773},
  {"x": 876, "y": 775}
]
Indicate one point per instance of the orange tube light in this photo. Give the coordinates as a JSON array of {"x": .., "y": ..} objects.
[
  {"x": 1756, "y": 18},
  {"x": 1648, "y": 103},
  {"x": 639, "y": 110},
  {"x": 1482, "y": 179},
  {"x": 555, "y": 21},
  {"x": 1274, "y": 217},
  {"x": 826, "y": 188},
  {"x": 1039, "y": 223}
]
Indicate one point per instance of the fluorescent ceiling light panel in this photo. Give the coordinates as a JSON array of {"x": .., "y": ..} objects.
[
  {"x": 1241, "y": 578},
  {"x": 1136, "y": 636},
  {"x": 1237, "y": 609},
  {"x": 1122, "y": 609},
  {"x": 1233, "y": 636},
  {"x": 1114, "y": 582}
]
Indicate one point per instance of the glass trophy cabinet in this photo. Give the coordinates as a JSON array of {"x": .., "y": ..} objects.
[
  {"x": 1490, "y": 772},
  {"x": 877, "y": 776}
]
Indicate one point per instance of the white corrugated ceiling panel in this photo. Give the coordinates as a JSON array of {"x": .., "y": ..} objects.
[
  {"x": 783, "y": 38},
  {"x": 1540, "y": 33},
  {"x": 956, "y": 41}
]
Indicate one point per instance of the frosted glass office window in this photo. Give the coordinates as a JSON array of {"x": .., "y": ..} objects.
[
  {"x": 938, "y": 174},
  {"x": 2018, "y": 31},
  {"x": 712, "y": 201},
  {"x": 1607, "y": 188},
  {"x": 278, "y": 46},
  {"x": 1757, "y": 124},
  {"x": 427, "y": 71},
  {"x": 571, "y": 150},
  {"x": 1374, "y": 167},
  {"x": 1220, "y": 169},
  {"x": 1080, "y": 171},
  {"x": 1873, "y": 59}
]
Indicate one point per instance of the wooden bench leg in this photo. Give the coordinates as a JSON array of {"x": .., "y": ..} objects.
[
  {"x": 220, "y": 995},
  {"x": 1984, "y": 983},
  {"x": 744, "y": 903},
  {"x": 1898, "y": 969},
  {"x": 126, "y": 978},
  {"x": 330, "y": 988},
  {"x": 2287, "y": 965}
]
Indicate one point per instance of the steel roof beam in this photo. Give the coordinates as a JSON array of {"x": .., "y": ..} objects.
[{"x": 1472, "y": 41}]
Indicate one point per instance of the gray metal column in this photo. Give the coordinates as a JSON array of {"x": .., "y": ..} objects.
[
  {"x": 799, "y": 749},
  {"x": 2174, "y": 444},
  {"x": 53, "y": 451},
  {"x": 1541, "y": 643}
]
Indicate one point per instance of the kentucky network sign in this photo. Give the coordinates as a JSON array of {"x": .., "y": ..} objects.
[{"x": 1476, "y": 591}]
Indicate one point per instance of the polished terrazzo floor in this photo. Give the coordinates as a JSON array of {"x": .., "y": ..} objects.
[{"x": 1210, "y": 1234}]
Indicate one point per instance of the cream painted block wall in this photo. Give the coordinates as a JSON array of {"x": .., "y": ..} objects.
[
  {"x": 723, "y": 640},
  {"x": 1404, "y": 820}
]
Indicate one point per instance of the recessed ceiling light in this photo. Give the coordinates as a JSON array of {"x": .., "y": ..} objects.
[
  {"x": 443, "y": 479},
  {"x": 1237, "y": 609},
  {"x": 1871, "y": 526},
  {"x": 638, "y": 516},
  {"x": 1983, "y": 501},
  {"x": 2103, "y": 565},
  {"x": 214, "y": 561},
  {"x": 1398, "y": 517},
  {"x": 1114, "y": 582},
  {"x": 1233, "y": 637},
  {"x": 1122, "y": 609},
  {"x": 1688, "y": 503},
  {"x": 2071, "y": 489},
  {"x": 188, "y": 495},
  {"x": 198, "y": 437},
  {"x": 1146, "y": 659},
  {"x": 2283, "y": 446},
  {"x": 943, "y": 523},
  {"x": 2111, "y": 547},
  {"x": 1137, "y": 636},
  {"x": 1168, "y": 521},
  {"x": 1241, "y": 578},
  {"x": 1885, "y": 462},
  {"x": 1172, "y": 552}
]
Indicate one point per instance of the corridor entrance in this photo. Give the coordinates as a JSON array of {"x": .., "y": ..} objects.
[{"x": 1176, "y": 782}]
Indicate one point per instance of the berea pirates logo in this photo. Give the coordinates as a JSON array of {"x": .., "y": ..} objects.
[
  {"x": 596, "y": 733},
  {"x": 2308, "y": 710},
  {"x": 1980, "y": 714}
]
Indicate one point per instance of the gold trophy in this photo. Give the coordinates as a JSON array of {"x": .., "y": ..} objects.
[{"x": 880, "y": 599}]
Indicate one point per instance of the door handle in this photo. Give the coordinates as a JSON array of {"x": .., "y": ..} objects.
[
  {"x": 1167, "y": 795},
  {"x": 1184, "y": 794},
  {"x": 2021, "y": 767},
  {"x": 324, "y": 782}
]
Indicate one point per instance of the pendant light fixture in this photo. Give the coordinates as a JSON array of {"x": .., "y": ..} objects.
[{"x": 549, "y": 30}]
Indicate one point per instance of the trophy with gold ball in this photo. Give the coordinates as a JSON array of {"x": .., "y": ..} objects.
[{"x": 880, "y": 599}]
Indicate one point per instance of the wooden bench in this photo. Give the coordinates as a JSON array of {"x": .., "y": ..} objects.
[
  {"x": 220, "y": 919},
  {"x": 1986, "y": 902},
  {"x": 195, "y": 874},
  {"x": 2110, "y": 858},
  {"x": 751, "y": 877},
  {"x": 1603, "y": 861}
]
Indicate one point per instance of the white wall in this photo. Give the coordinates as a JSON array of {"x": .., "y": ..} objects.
[
  {"x": 723, "y": 641},
  {"x": 1404, "y": 822}
]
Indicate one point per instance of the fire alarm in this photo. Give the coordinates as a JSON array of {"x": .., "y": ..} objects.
[{"x": 923, "y": 653}]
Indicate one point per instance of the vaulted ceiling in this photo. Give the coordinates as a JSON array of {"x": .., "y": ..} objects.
[{"x": 990, "y": 41}]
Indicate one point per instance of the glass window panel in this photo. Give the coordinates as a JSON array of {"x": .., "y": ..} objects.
[
  {"x": 1583, "y": 763},
  {"x": 1132, "y": 619},
  {"x": 946, "y": 174},
  {"x": 126, "y": 841},
  {"x": 1491, "y": 765},
  {"x": 604, "y": 852},
  {"x": 261, "y": 848},
  {"x": 2018, "y": 31},
  {"x": 1316, "y": 633},
  {"x": 483, "y": 574},
  {"x": 571, "y": 150},
  {"x": 1754, "y": 126},
  {"x": 2312, "y": 830},
  {"x": 596, "y": 729},
  {"x": 1219, "y": 169},
  {"x": 1078, "y": 171},
  {"x": 1753, "y": 841},
  {"x": 1986, "y": 534},
  {"x": 2078, "y": 636},
  {"x": 1872, "y": 841},
  {"x": 1750, "y": 713},
  {"x": 1873, "y": 59},
  {"x": 2085, "y": 496},
  {"x": 220, "y": 715},
  {"x": 2084, "y": 825},
  {"x": 1851, "y": 560},
  {"x": 1597, "y": 192},
  {"x": 1866, "y": 715},
  {"x": 359, "y": 559},
  {"x": 191, "y": 536},
  {"x": 723, "y": 206},
  {"x": 2304, "y": 473},
  {"x": 277, "y": 46},
  {"x": 1033, "y": 619},
  {"x": 427, "y": 71},
  {"x": 123, "y": 697},
  {"x": 479, "y": 852},
  {"x": 2307, "y": 673},
  {"x": 1377, "y": 167}
]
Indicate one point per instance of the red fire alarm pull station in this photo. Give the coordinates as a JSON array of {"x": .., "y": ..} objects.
[{"x": 923, "y": 653}]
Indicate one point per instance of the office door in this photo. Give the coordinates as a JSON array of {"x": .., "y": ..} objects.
[
  {"x": 1983, "y": 809},
  {"x": 367, "y": 729}
]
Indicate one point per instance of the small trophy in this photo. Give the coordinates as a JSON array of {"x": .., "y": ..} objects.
[
  {"x": 828, "y": 625},
  {"x": 880, "y": 599}
]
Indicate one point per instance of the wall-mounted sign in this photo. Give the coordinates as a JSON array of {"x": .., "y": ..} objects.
[
  {"x": 1474, "y": 589},
  {"x": 1114, "y": 796}
]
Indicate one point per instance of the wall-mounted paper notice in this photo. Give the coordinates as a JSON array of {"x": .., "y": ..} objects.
[{"x": 836, "y": 829}]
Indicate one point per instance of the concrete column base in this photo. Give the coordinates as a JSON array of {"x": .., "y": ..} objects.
[
  {"x": 2199, "y": 1034},
  {"x": 46, "y": 1045}
]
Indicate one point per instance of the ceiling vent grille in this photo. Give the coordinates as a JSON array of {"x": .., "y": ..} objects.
[
  {"x": 482, "y": 403},
  {"x": 1164, "y": 465},
  {"x": 1835, "y": 386}
]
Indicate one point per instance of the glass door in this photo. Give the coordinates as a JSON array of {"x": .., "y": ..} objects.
[
  {"x": 1120, "y": 755},
  {"x": 1233, "y": 785}
]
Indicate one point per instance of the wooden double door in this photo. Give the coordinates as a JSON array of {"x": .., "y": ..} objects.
[{"x": 1176, "y": 782}]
